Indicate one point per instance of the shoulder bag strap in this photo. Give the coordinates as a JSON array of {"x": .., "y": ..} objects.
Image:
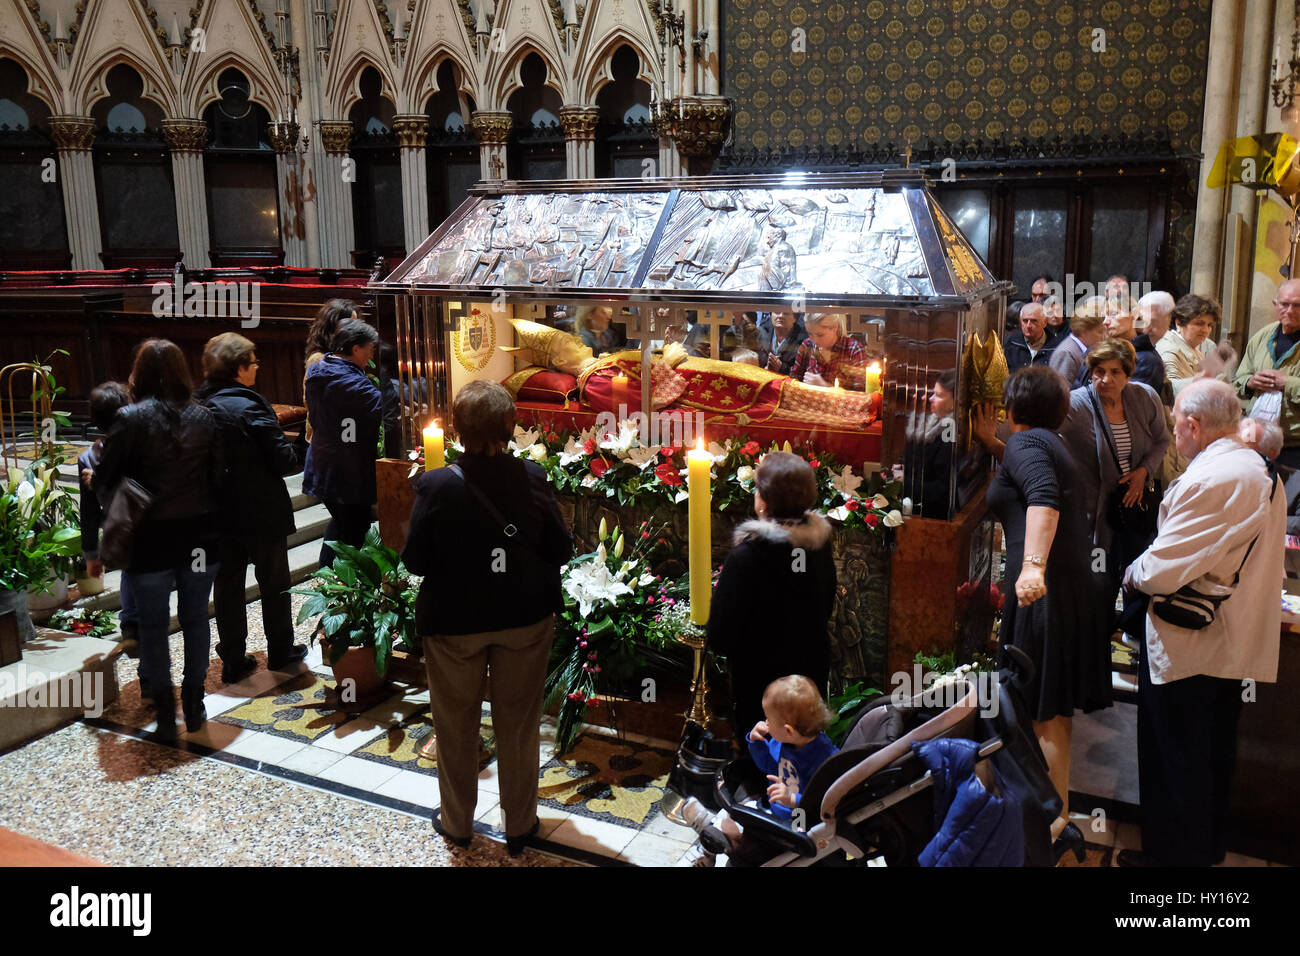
[
  {"x": 1104, "y": 425},
  {"x": 508, "y": 527},
  {"x": 1271, "y": 467}
]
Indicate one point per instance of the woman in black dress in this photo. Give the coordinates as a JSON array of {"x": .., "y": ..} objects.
[{"x": 1058, "y": 617}]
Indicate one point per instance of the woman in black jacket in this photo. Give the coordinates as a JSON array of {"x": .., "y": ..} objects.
[
  {"x": 776, "y": 591},
  {"x": 345, "y": 410},
  {"x": 170, "y": 446},
  {"x": 489, "y": 598}
]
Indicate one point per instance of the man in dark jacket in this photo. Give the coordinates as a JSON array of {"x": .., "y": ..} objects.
[
  {"x": 1031, "y": 345},
  {"x": 779, "y": 336},
  {"x": 257, "y": 515}
]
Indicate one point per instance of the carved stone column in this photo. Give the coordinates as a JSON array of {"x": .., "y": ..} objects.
[
  {"x": 1217, "y": 126},
  {"x": 295, "y": 192},
  {"x": 492, "y": 130},
  {"x": 412, "y": 132},
  {"x": 186, "y": 139},
  {"x": 73, "y": 136},
  {"x": 698, "y": 125},
  {"x": 579, "y": 125},
  {"x": 338, "y": 173}
]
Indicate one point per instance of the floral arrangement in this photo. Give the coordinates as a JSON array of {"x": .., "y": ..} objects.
[
  {"x": 84, "y": 620},
  {"x": 618, "y": 618},
  {"x": 39, "y": 536},
  {"x": 621, "y": 467}
]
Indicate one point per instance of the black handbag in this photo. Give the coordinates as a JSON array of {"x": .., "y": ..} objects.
[
  {"x": 1139, "y": 518},
  {"x": 1187, "y": 607},
  {"x": 125, "y": 512}
]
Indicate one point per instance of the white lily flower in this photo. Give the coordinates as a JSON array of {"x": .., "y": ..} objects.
[
  {"x": 880, "y": 501},
  {"x": 643, "y": 457},
  {"x": 627, "y": 437},
  {"x": 590, "y": 583},
  {"x": 524, "y": 439},
  {"x": 893, "y": 519},
  {"x": 681, "y": 496},
  {"x": 846, "y": 483},
  {"x": 645, "y": 580},
  {"x": 574, "y": 450},
  {"x": 839, "y": 514},
  {"x": 601, "y": 554}
]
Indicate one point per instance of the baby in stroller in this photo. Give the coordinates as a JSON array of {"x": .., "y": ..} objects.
[
  {"x": 968, "y": 740},
  {"x": 787, "y": 747}
]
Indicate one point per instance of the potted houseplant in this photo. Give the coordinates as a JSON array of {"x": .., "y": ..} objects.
[
  {"x": 35, "y": 544},
  {"x": 364, "y": 602}
]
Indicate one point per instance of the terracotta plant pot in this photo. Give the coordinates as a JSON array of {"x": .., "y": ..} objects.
[{"x": 358, "y": 666}]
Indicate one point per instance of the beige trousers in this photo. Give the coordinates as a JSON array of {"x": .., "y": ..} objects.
[{"x": 457, "y": 665}]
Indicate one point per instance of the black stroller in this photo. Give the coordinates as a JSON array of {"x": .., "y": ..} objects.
[{"x": 857, "y": 808}]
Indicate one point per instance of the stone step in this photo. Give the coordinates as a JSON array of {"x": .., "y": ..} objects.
[
  {"x": 303, "y": 560},
  {"x": 60, "y": 678}
]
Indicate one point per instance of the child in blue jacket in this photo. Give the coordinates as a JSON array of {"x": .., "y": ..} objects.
[{"x": 788, "y": 745}]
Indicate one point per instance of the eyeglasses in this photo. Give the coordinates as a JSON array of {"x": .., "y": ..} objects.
[
  {"x": 254, "y": 364},
  {"x": 1283, "y": 306}
]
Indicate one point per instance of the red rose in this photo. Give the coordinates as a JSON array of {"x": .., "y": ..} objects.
[
  {"x": 589, "y": 446},
  {"x": 750, "y": 449},
  {"x": 814, "y": 462},
  {"x": 871, "y": 519},
  {"x": 668, "y": 474},
  {"x": 851, "y": 504},
  {"x": 599, "y": 466},
  {"x": 552, "y": 437}
]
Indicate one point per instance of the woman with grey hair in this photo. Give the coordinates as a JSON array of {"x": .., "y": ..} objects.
[
  {"x": 829, "y": 354},
  {"x": 489, "y": 599}
]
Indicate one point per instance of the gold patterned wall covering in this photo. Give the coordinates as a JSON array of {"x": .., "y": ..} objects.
[{"x": 932, "y": 74}]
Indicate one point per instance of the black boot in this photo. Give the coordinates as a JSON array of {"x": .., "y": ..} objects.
[
  {"x": 192, "y": 705},
  {"x": 277, "y": 660},
  {"x": 165, "y": 705}
]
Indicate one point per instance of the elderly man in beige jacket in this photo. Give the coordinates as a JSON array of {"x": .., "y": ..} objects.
[{"x": 1221, "y": 531}]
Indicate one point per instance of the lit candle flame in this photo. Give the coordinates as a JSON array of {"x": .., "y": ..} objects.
[{"x": 874, "y": 368}]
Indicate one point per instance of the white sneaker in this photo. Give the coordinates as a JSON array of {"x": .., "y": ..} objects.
[
  {"x": 696, "y": 814},
  {"x": 697, "y": 856}
]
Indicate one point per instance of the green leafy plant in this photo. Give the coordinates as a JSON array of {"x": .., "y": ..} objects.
[
  {"x": 845, "y": 707},
  {"x": 613, "y": 626},
  {"x": 366, "y": 599},
  {"x": 34, "y": 543}
]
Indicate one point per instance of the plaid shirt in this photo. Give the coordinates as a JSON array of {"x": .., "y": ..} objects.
[{"x": 847, "y": 363}]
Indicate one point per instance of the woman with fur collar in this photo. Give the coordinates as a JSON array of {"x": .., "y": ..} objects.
[{"x": 776, "y": 591}]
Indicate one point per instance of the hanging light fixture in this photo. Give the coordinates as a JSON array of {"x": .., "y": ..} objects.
[{"x": 1284, "y": 84}]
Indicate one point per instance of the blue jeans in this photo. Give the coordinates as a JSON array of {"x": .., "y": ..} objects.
[{"x": 151, "y": 590}]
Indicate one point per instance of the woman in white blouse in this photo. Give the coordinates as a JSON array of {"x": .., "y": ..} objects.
[{"x": 1183, "y": 348}]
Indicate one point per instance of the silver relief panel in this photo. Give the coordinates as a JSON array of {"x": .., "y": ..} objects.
[
  {"x": 849, "y": 241},
  {"x": 559, "y": 240}
]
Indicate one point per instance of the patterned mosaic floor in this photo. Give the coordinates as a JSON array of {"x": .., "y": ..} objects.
[{"x": 598, "y": 804}]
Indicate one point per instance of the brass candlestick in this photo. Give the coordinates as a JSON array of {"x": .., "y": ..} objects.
[{"x": 699, "y": 709}]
